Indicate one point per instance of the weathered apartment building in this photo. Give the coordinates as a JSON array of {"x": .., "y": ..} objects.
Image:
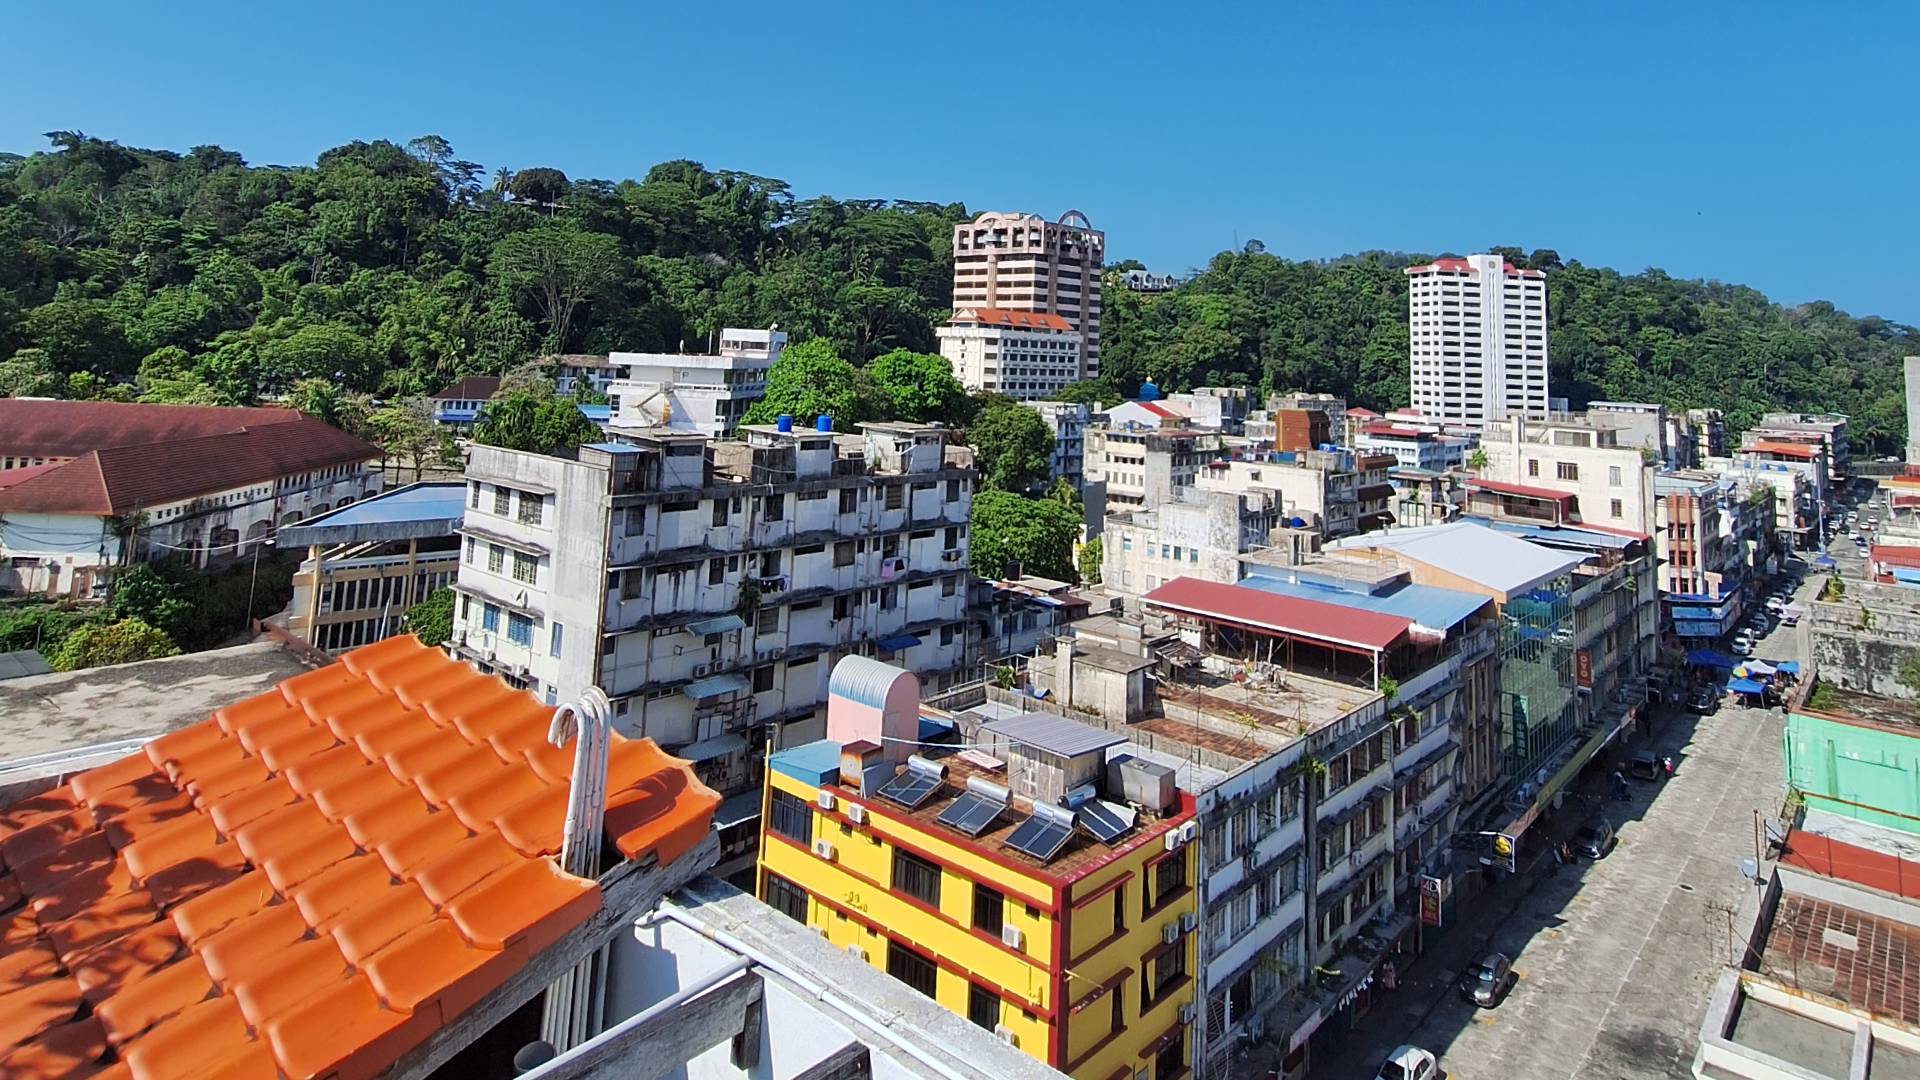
[{"x": 708, "y": 587}]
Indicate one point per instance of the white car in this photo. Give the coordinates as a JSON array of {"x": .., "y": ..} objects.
[
  {"x": 1776, "y": 604},
  {"x": 1409, "y": 1063}
]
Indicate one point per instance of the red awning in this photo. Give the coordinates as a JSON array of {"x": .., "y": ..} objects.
[
  {"x": 1521, "y": 490},
  {"x": 1310, "y": 619}
]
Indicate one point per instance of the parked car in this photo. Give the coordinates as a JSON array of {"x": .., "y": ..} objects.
[
  {"x": 1409, "y": 1063},
  {"x": 1487, "y": 980},
  {"x": 1594, "y": 839},
  {"x": 1704, "y": 701},
  {"x": 1776, "y": 603},
  {"x": 1741, "y": 647},
  {"x": 1645, "y": 765}
]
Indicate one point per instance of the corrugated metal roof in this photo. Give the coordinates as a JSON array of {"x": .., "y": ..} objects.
[
  {"x": 864, "y": 679},
  {"x": 715, "y": 685},
  {"x": 1054, "y": 734},
  {"x": 1315, "y": 619},
  {"x": 1559, "y": 534},
  {"x": 1426, "y": 605},
  {"x": 1495, "y": 559}
]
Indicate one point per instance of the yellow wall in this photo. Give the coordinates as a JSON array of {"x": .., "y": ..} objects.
[{"x": 852, "y": 900}]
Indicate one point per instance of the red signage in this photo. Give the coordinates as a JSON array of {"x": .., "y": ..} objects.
[
  {"x": 1583, "y": 668},
  {"x": 1432, "y": 895}
]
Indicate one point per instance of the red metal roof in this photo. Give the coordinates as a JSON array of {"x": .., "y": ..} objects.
[
  {"x": 37, "y": 428},
  {"x": 1381, "y": 427},
  {"x": 471, "y": 388},
  {"x": 1353, "y": 627},
  {"x": 1018, "y": 320},
  {"x": 10, "y": 477},
  {"x": 310, "y": 883},
  {"x": 1788, "y": 449},
  {"x": 1894, "y": 555},
  {"x": 120, "y": 479},
  {"x": 1359, "y": 411},
  {"x": 1522, "y": 490}
]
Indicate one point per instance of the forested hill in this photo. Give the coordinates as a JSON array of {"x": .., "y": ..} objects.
[{"x": 394, "y": 269}]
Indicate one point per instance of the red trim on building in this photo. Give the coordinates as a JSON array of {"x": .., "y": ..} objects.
[{"x": 1524, "y": 491}]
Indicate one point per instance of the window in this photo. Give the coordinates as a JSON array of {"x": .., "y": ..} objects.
[
  {"x": 983, "y": 1006},
  {"x": 946, "y": 635},
  {"x": 553, "y": 642},
  {"x": 774, "y": 508},
  {"x": 1171, "y": 1061},
  {"x": 468, "y": 557},
  {"x": 953, "y": 492},
  {"x": 763, "y": 679},
  {"x": 791, "y": 817},
  {"x": 1533, "y": 466},
  {"x": 716, "y": 571},
  {"x": 524, "y": 566},
  {"x": 530, "y": 508},
  {"x": 896, "y": 496},
  {"x": 636, "y": 520},
  {"x": 496, "y": 558},
  {"x": 719, "y": 512},
  {"x": 1567, "y": 470},
  {"x": 989, "y": 909},
  {"x": 490, "y": 618},
  {"x": 474, "y": 487},
  {"x": 843, "y": 553},
  {"x": 1614, "y": 506},
  {"x": 786, "y": 898},
  {"x": 1166, "y": 969},
  {"x": 1120, "y": 909},
  {"x": 519, "y": 628},
  {"x": 767, "y": 621},
  {"x": 1613, "y": 475},
  {"x": 502, "y": 501},
  {"x": 849, "y": 500},
  {"x": 911, "y": 968},
  {"x": 1169, "y": 877},
  {"x": 916, "y": 877},
  {"x": 1118, "y": 1016}
]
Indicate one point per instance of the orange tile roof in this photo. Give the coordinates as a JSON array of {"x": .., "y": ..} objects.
[
  {"x": 1018, "y": 320},
  {"x": 309, "y": 883}
]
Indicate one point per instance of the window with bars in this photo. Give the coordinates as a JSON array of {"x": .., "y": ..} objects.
[
  {"x": 519, "y": 628},
  {"x": 502, "y": 500},
  {"x": 911, "y": 968},
  {"x": 532, "y": 508},
  {"x": 496, "y": 558},
  {"x": 786, "y": 898},
  {"x": 524, "y": 567},
  {"x": 791, "y": 817},
  {"x": 916, "y": 877},
  {"x": 983, "y": 1006},
  {"x": 989, "y": 909}
]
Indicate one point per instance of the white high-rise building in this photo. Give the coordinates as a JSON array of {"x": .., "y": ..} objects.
[
  {"x": 1478, "y": 330},
  {"x": 694, "y": 393},
  {"x": 1008, "y": 264}
]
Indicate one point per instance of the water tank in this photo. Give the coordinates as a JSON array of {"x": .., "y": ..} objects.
[
  {"x": 1142, "y": 783},
  {"x": 1149, "y": 392},
  {"x": 783, "y": 423},
  {"x": 823, "y": 423},
  {"x": 1297, "y": 521}
]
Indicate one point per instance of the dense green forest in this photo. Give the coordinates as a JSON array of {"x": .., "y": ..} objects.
[{"x": 390, "y": 270}]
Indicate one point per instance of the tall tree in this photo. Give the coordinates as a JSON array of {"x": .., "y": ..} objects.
[
  {"x": 1011, "y": 445},
  {"x": 559, "y": 267},
  {"x": 1007, "y": 531},
  {"x": 811, "y": 380},
  {"x": 921, "y": 388}
]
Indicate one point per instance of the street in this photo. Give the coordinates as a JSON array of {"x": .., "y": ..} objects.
[{"x": 1614, "y": 959}]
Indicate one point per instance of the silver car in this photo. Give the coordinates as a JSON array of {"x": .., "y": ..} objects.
[{"x": 1487, "y": 980}]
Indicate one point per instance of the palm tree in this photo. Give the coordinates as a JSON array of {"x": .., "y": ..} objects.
[{"x": 502, "y": 176}]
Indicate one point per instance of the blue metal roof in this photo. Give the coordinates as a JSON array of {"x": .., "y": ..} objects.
[
  {"x": 813, "y": 763},
  {"x": 416, "y": 511},
  {"x": 612, "y": 447},
  {"x": 599, "y": 414},
  {"x": 1426, "y": 605}
]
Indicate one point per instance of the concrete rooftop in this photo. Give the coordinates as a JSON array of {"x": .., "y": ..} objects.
[{"x": 43, "y": 713}]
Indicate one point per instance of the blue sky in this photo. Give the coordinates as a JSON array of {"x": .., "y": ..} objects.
[{"x": 1768, "y": 144}]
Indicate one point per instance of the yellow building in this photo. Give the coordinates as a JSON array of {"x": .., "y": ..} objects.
[{"x": 1068, "y": 932}]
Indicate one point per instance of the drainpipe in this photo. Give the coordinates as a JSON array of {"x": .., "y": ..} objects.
[{"x": 574, "y": 1000}]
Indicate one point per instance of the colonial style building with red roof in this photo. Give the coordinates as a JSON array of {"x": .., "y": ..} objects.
[{"x": 86, "y": 486}]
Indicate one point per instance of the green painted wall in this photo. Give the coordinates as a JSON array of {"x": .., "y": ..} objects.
[{"x": 1859, "y": 772}]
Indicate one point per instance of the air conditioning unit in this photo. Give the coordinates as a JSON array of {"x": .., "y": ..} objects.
[
  {"x": 1010, "y": 936},
  {"x": 856, "y": 813},
  {"x": 700, "y": 670},
  {"x": 1354, "y": 859},
  {"x": 1169, "y": 933},
  {"x": 1188, "y": 832},
  {"x": 950, "y": 555},
  {"x": 1187, "y": 922},
  {"x": 1172, "y": 839},
  {"x": 1005, "y": 1035},
  {"x": 824, "y": 849},
  {"x": 824, "y": 800},
  {"x": 1186, "y": 1013}
]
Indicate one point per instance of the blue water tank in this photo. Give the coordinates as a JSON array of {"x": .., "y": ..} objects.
[
  {"x": 823, "y": 423},
  {"x": 1298, "y": 522},
  {"x": 1149, "y": 392},
  {"x": 783, "y": 423}
]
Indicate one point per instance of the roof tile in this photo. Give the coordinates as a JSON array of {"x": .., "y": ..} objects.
[
  {"x": 257, "y": 893},
  {"x": 67, "y": 1052}
]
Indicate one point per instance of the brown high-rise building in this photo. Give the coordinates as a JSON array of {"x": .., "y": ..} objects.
[{"x": 1024, "y": 263}]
